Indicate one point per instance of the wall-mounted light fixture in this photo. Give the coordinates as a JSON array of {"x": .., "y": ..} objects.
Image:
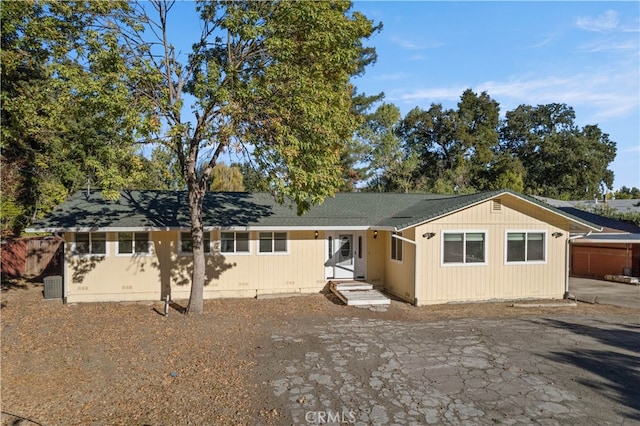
[
  {"x": 557, "y": 234},
  {"x": 375, "y": 234},
  {"x": 316, "y": 235},
  {"x": 428, "y": 235}
]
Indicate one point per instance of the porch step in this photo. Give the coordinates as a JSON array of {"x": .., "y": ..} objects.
[
  {"x": 358, "y": 294},
  {"x": 345, "y": 286}
]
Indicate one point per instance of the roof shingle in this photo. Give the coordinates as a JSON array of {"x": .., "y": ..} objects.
[{"x": 170, "y": 210}]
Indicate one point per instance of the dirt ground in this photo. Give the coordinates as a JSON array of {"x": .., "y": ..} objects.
[{"x": 125, "y": 363}]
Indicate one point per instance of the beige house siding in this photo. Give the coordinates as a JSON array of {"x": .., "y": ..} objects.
[
  {"x": 496, "y": 279},
  {"x": 400, "y": 275},
  {"x": 302, "y": 269},
  {"x": 165, "y": 271},
  {"x": 376, "y": 258}
]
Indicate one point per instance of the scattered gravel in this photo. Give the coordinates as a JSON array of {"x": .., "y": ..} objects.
[{"x": 125, "y": 363}]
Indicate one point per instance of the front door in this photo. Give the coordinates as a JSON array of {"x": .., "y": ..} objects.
[{"x": 344, "y": 261}]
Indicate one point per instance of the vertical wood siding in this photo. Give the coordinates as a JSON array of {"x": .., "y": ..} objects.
[
  {"x": 165, "y": 271},
  {"x": 399, "y": 276},
  {"x": 495, "y": 280}
]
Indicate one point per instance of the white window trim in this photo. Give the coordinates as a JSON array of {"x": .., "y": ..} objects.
[
  {"x": 273, "y": 253},
  {"x": 190, "y": 253},
  {"x": 396, "y": 240},
  {"x": 149, "y": 252},
  {"x": 75, "y": 253},
  {"x": 235, "y": 253},
  {"x": 464, "y": 232},
  {"x": 526, "y": 262}
]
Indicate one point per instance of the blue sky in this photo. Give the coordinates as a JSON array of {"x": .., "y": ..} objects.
[{"x": 584, "y": 54}]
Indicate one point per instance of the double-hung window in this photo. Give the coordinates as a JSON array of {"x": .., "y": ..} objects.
[
  {"x": 273, "y": 242},
  {"x": 90, "y": 243},
  {"x": 464, "y": 247},
  {"x": 526, "y": 246},
  {"x": 186, "y": 242},
  {"x": 396, "y": 247},
  {"x": 133, "y": 243},
  {"x": 234, "y": 242}
]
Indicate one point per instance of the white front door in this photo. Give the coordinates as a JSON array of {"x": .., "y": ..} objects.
[
  {"x": 345, "y": 255},
  {"x": 344, "y": 264}
]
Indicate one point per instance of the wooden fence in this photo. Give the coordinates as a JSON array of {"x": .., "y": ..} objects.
[{"x": 31, "y": 257}]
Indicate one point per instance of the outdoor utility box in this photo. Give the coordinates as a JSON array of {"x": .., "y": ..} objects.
[{"x": 53, "y": 287}]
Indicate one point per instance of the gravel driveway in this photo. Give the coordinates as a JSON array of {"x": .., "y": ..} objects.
[
  {"x": 311, "y": 360},
  {"x": 554, "y": 369}
]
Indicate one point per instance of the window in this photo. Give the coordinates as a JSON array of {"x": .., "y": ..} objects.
[
  {"x": 396, "y": 247},
  {"x": 186, "y": 243},
  {"x": 464, "y": 247},
  {"x": 133, "y": 243},
  {"x": 526, "y": 246},
  {"x": 273, "y": 242},
  {"x": 90, "y": 243},
  {"x": 234, "y": 242}
]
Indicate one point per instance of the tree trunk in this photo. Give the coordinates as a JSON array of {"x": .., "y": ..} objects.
[{"x": 196, "y": 198}]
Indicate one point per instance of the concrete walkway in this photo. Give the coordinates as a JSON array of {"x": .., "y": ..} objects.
[{"x": 605, "y": 292}]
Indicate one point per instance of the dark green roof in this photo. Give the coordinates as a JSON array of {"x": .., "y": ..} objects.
[{"x": 169, "y": 210}]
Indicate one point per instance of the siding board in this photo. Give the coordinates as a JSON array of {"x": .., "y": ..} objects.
[{"x": 496, "y": 280}]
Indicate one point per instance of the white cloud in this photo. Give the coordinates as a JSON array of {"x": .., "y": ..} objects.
[
  {"x": 546, "y": 41},
  {"x": 611, "y": 46},
  {"x": 606, "y": 22},
  {"x": 604, "y": 94},
  {"x": 418, "y": 57},
  {"x": 391, "y": 77},
  {"x": 434, "y": 95},
  {"x": 412, "y": 45}
]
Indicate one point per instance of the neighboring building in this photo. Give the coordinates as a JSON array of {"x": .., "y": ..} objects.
[
  {"x": 425, "y": 249},
  {"x": 613, "y": 251}
]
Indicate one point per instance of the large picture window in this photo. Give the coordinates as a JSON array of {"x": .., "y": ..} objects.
[
  {"x": 273, "y": 242},
  {"x": 464, "y": 247},
  {"x": 133, "y": 243},
  {"x": 90, "y": 243},
  {"x": 186, "y": 243},
  {"x": 234, "y": 242},
  {"x": 526, "y": 246}
]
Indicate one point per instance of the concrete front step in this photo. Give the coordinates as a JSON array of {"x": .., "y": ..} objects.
[{"x": 358, "y": 294}]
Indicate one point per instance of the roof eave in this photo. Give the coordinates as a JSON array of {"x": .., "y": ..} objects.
[
  {"x": 586, "y": 225},
  {"x": 54, "y": 230}
]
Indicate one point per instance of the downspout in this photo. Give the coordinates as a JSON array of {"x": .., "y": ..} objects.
[
  {"x": 568, "y": 260},
  {"x": 415, "y": 265},
  {"x": 64, "y": 266}
]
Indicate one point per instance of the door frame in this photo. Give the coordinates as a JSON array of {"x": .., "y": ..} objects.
[{"x": 359, "y": 252}]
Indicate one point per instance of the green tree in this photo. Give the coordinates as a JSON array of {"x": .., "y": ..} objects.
[
  {"x": 252, "y": 179},
  {"x": 389, "y": 167},
  {"x": 160, "y": 171},
  {"x": 270, "y": 79},
  {"x": 560, "y": 160},
  {"x": 226, "y": 178},
  {"x": 627, "y": 193},
  {"x": 456, "y": 148},
  {"x": 478, "y": 120},
  {"x": 67, "y": 114},
  {"x": 354, "y": 155}
]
